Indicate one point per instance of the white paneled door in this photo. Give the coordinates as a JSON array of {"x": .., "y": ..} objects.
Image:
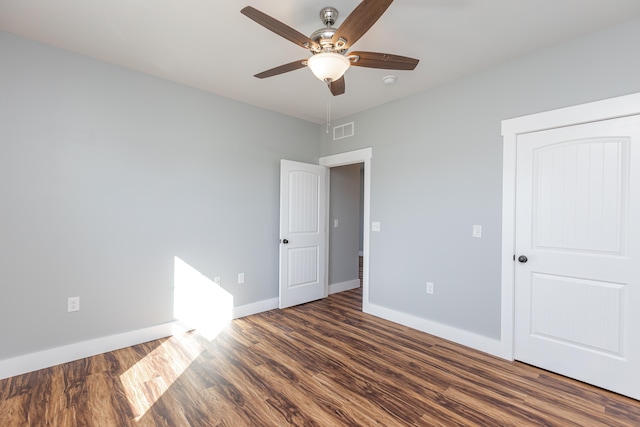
[
  {"x": 303, "y": 193},
  {"x": 577, "y": 272}
]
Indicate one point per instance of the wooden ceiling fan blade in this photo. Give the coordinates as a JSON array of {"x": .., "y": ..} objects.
[
  {"x": 337, "y": 87},
  {"x": 387, "y": 61},
  {"x": 278, "y": 27},
  {"x": 282, "y": 69},
  {"x": 360, "y": 20}
]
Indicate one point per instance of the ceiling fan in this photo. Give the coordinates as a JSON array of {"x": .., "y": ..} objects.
[{"x": 329, "y": 46}]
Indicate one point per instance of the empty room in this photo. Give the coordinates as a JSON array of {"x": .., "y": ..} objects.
[{"x": 310, "y": 213}]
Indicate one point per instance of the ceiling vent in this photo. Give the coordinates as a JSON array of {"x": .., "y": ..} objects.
[{"x": 343, "y": 131}]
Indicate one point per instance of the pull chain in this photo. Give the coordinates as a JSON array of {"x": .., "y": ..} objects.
[{"x": 328, "y": 112}]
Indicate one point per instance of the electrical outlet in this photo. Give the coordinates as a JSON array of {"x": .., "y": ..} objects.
[
  {"x": 73, "y": 304},
  {"x": 430, "y": 287},
  {"x": 375, "y": 226},
  {"x": 216, "y": 280},
  {"x": 240, "y": 278}
]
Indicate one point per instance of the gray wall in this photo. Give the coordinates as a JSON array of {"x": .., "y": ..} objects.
[
  {"x": 437, "y": 165},
  {"x": 344, "y": 205},
  {"x": 107, "y": 174}
]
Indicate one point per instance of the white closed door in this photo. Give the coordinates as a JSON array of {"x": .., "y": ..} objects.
[
  {"x": 303, "y": 194},
  {"x": 577, "y": 280}
]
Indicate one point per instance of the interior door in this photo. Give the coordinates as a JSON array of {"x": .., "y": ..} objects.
[
  {"x": 303, "y": 246},
  {"x": 578, "y": 252},
  {"x": 577, "y": 280}
]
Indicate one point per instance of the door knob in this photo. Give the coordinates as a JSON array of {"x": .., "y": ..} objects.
[
  {"x": 523, "y": 259},
  {"x": 285, "y": 241}
]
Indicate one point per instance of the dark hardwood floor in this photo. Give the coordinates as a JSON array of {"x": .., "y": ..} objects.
[{"x": 320, "y": 364}]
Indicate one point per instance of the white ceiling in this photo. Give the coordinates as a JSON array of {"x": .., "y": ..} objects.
[{"x": 210, "y": 45}]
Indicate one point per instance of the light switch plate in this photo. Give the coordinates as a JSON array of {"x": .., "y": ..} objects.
[
  {"x": 477, "y": 231},
  {"x": 375, "y": 226}
]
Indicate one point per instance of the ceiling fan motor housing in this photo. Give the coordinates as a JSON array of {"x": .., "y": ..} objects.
[{"x": 324, "y": 36}]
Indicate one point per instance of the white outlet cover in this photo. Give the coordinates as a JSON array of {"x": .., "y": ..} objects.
[
  {"x": 240, "y": 278},
  {"x": 430, "y": 287},
  {"x": 335, "y": 223},
  {"x": 375, "y": 226}
]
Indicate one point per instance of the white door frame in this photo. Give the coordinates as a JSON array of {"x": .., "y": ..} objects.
[
  {"x": 349, "y": 158},
  {"x": 592, "y": 112}
]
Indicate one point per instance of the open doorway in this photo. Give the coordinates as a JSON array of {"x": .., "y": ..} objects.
[
  {"x": 346, "y": 200},
  {"x": 362, "y": 161}
]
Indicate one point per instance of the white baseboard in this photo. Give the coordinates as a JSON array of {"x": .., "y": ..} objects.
[
  {"x": 68, "y": 353},
  {"x": 459, "y": 336},
  {"x": 344, "y": 286},
  {"x": 255, "y": 308}
]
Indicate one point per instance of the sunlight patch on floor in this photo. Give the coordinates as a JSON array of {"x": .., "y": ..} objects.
[
  {"x": 146, "y": 381},
  {"x": 200, "y": 305}
]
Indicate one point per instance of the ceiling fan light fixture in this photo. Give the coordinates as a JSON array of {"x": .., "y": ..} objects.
[{"x": 328, "y": 66}]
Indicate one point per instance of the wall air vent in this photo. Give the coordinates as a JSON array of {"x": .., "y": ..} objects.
[{"x": 343, "y": 131}]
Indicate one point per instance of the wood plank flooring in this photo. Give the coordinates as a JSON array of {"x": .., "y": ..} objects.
[{"x": 320, "y": 364}]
